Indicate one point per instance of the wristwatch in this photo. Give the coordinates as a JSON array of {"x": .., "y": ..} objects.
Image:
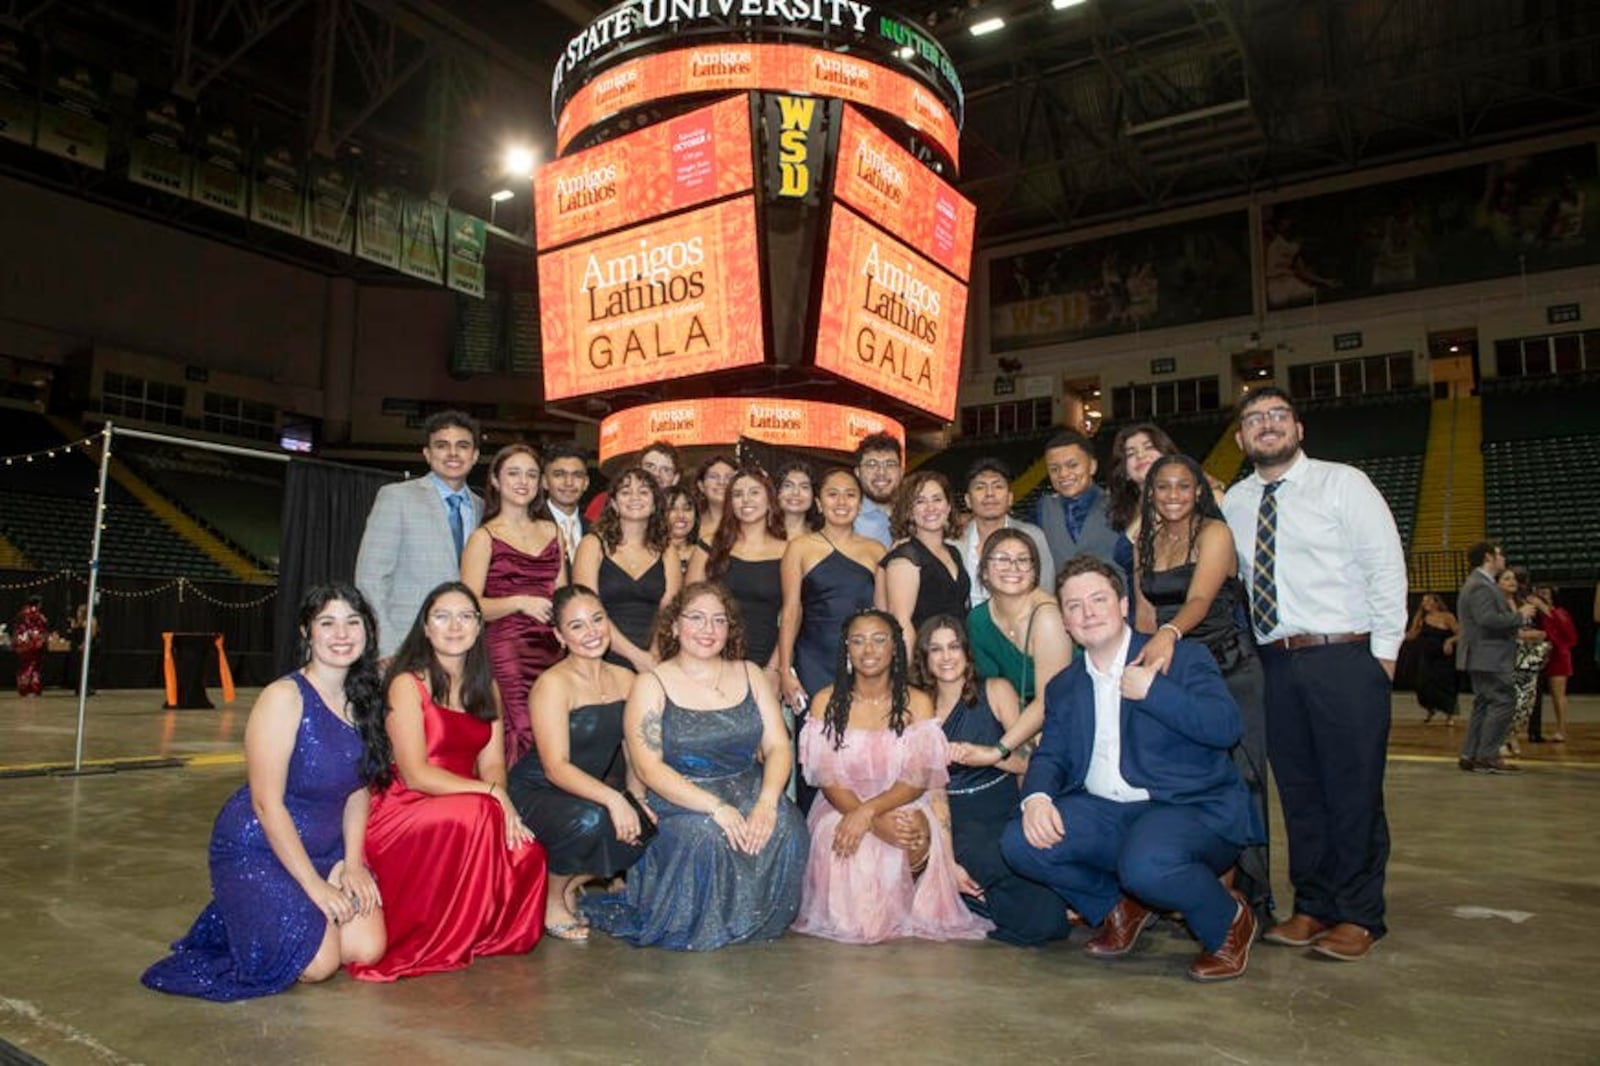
[{"x": 1000, "y": 746}]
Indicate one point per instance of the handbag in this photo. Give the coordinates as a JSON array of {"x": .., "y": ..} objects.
[{"x": 647, "y": 826}]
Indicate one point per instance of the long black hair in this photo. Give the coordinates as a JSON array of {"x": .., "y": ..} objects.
[
  {"x": 416, "y": 656},
  {"x": 1205, "y": 506},
  {"x": 836, "y": 717},
  {"x": 923, "y": 678},
  {"x": 363, "y": 687}
]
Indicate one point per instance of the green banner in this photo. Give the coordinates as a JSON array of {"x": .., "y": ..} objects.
[
  {"x": 73, "y": 112},
  {"x": 468, "y": 237},
  {"x": 275, "y": 196},
  {"x": 331, "y": 204},
  {"x": 378, "y": 224},
  {"x": 219, "y": 178},
  {"x": 19, "y": 70},
  {"x": 422, "y": 253},
  {"x": 158, "y": 154}
]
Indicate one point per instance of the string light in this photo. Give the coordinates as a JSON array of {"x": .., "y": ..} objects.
[
  {"x": 181, "y": 585},
  {"x": 50, "y": 453}
]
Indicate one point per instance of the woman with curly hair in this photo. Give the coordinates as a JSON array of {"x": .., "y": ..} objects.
[
  {"x": 746, "y": 556},
  {"x": 872, "y": 747},
  {"x": 462, "y": 875},
  {"x": 923, "y": 574},
  {"x": 705, "y": 737},
  {"x": 623, "y": 558},
  {"x": 292, "y": 898}
]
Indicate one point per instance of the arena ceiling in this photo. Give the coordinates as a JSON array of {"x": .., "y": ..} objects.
[{"x": 1100, "y": 110}]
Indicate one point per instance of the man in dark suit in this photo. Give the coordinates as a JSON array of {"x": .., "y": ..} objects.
[
  {"x": 1131, "y": 804},
  {"x": 1074, "y": 517},
  {"x": 1487, "y": 649}
]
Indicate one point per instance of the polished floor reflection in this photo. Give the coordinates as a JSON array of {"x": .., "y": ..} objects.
[{"x": 1492, "y": 889}]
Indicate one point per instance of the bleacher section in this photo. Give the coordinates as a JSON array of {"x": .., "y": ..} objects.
[
  {"x": 239, "y": 499},
  {"x": 1541, "y": 445}
]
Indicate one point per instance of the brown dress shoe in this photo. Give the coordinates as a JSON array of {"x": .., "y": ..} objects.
[
  {"x": 1347, "y": 942},
  {"x": 1233, "y": 955},
  {"x": 1120, "y": 931},
  {"x": 1298, "y": 932}
]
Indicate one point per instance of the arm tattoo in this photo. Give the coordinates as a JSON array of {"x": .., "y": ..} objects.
[{"x": 650, "y": 730}]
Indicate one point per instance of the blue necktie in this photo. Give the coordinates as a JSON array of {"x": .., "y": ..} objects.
[
  {"x": 458, "y": 526},
  {"x": 1264, "y": 578}
]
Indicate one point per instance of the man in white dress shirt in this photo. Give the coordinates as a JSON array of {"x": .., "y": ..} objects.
[
  {"x": 989, "y": 499},
  {"x": 566, "y": 478},
  {"x": 1323, "y": 564}
]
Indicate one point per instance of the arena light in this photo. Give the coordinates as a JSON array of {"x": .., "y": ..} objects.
[
  {"x": 1062, "y": 5},
  {"x": 905, "y": 53},
  {"x": 500, "y": 196},
  {"x": 987, "y": 26},
  {"x": 519, "y": 160}
]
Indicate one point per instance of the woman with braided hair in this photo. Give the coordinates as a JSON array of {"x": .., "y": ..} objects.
[{"x": 881, "y": 863}]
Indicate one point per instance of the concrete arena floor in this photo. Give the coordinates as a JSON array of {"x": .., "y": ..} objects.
[{"x": 1493, "y": 885}]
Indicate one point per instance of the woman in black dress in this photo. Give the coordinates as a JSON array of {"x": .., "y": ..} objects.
[
  {"x": 923, "y": 574},
  {"x": 746, "y": 555},
  {"x": 623, "y": 558},
  {"x": 1436, "y": 631},
  {"x": 588, "y": 828}
]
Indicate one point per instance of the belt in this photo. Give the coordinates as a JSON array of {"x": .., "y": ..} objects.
[{"x": 1314, "y": 640}]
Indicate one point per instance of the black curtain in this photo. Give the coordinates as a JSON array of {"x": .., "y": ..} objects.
[{"x": 325, "y": 510}]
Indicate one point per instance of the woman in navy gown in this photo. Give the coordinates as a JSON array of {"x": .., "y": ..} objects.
[
  {"x": 983, "y": 798},
  {"x": 292, "y": 898},
  {"x": 623, "y": 559},
  {"x": 588, "y": 828},
  {"x": 745, "y": 555},
  {"x": 705, "y": 736},
  {"x": 513, "y": 562}
]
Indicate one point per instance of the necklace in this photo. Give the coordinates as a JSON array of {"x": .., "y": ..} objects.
[{"x": 716, "y": 685}]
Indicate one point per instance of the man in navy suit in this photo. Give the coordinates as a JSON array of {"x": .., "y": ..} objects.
[{"x": 1132, "y": 805}]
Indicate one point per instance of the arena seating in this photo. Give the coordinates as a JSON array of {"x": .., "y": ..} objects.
[{"x": 239, "y": 499}]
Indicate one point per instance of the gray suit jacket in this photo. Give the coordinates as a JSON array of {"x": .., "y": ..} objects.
[
  {"x": 1097, "y": 537},
  {"x": 1489, "y": 627},
  {"x": 406, "y": 552}
]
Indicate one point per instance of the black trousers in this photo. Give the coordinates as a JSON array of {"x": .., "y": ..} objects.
[{"x": 1327, "y": 740}]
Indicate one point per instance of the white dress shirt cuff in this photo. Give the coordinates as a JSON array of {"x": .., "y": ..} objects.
[{"x": 1034, "y": 795}]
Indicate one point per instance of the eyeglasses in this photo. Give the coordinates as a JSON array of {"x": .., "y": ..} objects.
[
  {"x": 874, "y": 466},
  {"x": 442, "y": 619},
  {"x": 1276, "y": 415},
  {"x": 877, "y": 640},
  {"x": 698, "y": 620},
  {"x": 1011, "y": 562}
]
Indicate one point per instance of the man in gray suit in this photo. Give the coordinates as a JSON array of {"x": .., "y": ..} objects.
[
  {"x": 1074, "y": 517},
  {"x": 1487, "y": 649},
  {"x": 416, "y": 529}
]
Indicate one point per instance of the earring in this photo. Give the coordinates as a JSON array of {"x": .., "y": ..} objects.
[{"x": 849, "y": 667}]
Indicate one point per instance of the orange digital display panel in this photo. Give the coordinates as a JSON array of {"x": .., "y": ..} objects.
[
  {"x": 748, "y": 67},
  {"x": 688, "y": 160},
  {"x": 889, "y": 319},
  {"x": 665, "y": 299},
  {"x": 723, "y": 420},
  {"x": 890, "y": 187}
]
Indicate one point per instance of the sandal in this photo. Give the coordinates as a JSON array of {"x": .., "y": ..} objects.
[{"x": 573, "y": 932}]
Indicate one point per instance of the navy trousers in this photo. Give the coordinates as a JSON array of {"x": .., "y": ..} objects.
[
  {"x": 1159, "y": 853},
  {"x": 1327, "y": 741}
]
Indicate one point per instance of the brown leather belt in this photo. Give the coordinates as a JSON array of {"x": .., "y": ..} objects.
[{"x": 1315, "y": 640}]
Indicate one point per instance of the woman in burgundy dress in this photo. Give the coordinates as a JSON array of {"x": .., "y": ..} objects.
[
  {"x": 513, "y": 563},
  {"x": 1562, "y": 633},
  {"x": 461, "y": 875}
]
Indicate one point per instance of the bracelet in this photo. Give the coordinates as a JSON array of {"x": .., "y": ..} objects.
[
  {"x": 1000, "y": 746},
  {"x": 712, "y": 813},
  {"x": 1175, "y": 630}
]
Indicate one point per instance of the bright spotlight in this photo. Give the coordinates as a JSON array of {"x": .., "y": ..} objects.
[
  {"x": 1062, "y": 5},
  {"x": 979, "y": 29},
  {"x": 500, "y": 196},
  {"x": 519, "y": 161}
]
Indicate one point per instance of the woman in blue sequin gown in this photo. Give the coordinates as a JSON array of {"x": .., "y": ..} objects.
[
  {"x": 292, "y": 899},
  {"x": 705, "y": 735}
]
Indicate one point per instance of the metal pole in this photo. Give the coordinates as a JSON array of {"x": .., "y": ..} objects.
[{"x": 94, "y": 588}]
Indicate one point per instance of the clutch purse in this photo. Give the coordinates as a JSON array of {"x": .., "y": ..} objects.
[{"x": 647, "y": 825}]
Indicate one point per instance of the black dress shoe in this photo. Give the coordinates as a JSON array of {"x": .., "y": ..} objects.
[{"x": 1467, "y": 765}]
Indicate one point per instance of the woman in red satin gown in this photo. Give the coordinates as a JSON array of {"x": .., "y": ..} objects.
[
  {"x": 513, "y": 562},
  {"x": 461, "y": 876}
]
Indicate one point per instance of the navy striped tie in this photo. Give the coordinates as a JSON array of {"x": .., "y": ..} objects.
[{"x": 1264, "y": 578}]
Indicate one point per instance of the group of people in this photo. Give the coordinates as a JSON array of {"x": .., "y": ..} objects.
[{"x": 815, "y": 701}]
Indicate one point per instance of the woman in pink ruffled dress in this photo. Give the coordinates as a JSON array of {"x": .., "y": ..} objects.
[{"x": 881, "y": 865}]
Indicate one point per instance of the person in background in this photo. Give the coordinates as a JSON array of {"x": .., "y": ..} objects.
[
  {"x": 566, "y": 479},
  {"x": 513, "y": 563},
  {"x": 797, "y": 498},
  {"x": 1562, "y": 632},
  {"x": 711, "y": 480},
  {"x": 30, "y": 640},
  {"x": 291, "y": 896},
  {"x": 77, "y": 639},
  {"x": 659, "y": 460},
  {"x": 417, "y": 529},
  {"x": 1133, "y": 451},
  {"x": 589, "y": 829},
  {"x": 1435, "y": 630},
  {"x": 1532, "y": 653},
  {"x": 683, "y": 528},
  {"x": 989, "y": 501},
  {"x": 623, "y": 557},
  {"x": 1487, "y": 650},
  {"x": 879, "y": 466},
  {"x": 746, "y": 556},
  {"x": 462, "y": 876},
  {"x": 923, "y": 575},
  {"x": 1075, "y": 516}
]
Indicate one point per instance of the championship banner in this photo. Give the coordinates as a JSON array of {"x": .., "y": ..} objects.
[
  {"x": 330, "y": 204},
  {"x": 714, "y": 421},
  {"x": 219, "y": 179},
  {"x": 423, "y": 238},
  {"x": 74, "y": 112},
  {"x": 275, "y": 196},
  {"x": 694, "y": 158},
  {"x": 467, "y": 238},
  {"x": 665, "y": 299},
  {"x": 889, "y": 319},
  {"x": 19, "y": 67},
  {"x": 158, "y": 156},
  {"x": 759, "y": 67},
  {"x": 379, "y": 224},
  {"x": 890, "y": 187}
]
